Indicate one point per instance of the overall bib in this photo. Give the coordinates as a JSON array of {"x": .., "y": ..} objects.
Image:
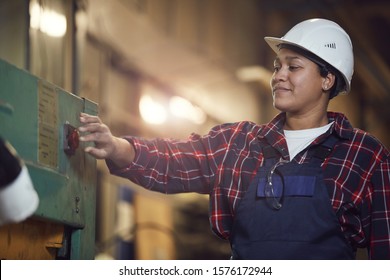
[{"x": 286, "y": 212}]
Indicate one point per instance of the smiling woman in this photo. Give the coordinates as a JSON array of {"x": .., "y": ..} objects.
[
  {"x": 299, "y": 89},
  {"x": 323, "y": 42},
  {"x": 254, "y": 174}
]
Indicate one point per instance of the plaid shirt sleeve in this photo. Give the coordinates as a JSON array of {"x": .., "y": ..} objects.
[
  {"x": 379, "y": 247},
  {"x": 172, "y": 166}
]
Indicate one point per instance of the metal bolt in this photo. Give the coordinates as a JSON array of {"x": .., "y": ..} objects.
[{"x": 77, "y": 199}]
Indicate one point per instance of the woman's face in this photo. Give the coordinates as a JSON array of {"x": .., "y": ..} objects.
[{"x": 297, "y": 86}]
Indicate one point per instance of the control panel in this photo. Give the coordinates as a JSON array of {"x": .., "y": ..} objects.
[{"x": 40, "y": 120}]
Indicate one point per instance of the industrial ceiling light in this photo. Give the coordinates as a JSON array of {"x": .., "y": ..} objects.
[
  {"x": 47, "y": 21},
  {"x": 254, "y": 73},
  {"x": 152, "y": 111},
  {"x": 182, "y": 108}
]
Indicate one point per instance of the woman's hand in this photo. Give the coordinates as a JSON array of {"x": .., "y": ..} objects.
[{"x": 107, "y": 146}]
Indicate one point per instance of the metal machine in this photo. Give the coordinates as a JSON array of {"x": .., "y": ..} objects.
[{"x": 40, "y": 119}]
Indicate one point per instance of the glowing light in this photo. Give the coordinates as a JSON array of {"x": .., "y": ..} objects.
[
  {"x": 182, "y": 108},
  {"x": 151, "y": 111},
  {"x": 47, "y": 21},
  {"x": 254, "y": 74}
]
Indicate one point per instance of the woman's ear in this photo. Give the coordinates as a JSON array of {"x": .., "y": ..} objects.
[{"x": 328, "y": 81}]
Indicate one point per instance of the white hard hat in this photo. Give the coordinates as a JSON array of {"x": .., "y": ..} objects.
[{"x": 324, "y": 38}]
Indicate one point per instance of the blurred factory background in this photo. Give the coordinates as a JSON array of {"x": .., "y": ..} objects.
[{"x": 167, "y": 68}]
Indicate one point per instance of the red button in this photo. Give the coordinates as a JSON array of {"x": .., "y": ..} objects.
[{"x": 73, "y": 140}]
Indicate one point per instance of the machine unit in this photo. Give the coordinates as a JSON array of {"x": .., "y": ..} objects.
[{"x": 40, "y": 120}]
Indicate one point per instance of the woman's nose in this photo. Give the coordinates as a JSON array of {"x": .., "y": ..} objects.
[{"x": 280, "y": 74}]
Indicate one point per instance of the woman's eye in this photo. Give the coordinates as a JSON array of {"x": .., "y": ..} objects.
[{"x": 293, "y": 67}]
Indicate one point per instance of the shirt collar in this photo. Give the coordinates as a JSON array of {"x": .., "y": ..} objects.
[
  {"x": 341, "y": 127},
  {"x": 273, "y": 130}
]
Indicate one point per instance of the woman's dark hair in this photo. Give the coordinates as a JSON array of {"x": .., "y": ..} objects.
[{"x": 324, "y": 68}]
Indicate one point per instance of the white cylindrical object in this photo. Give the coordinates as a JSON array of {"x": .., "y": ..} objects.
[{"x": 18, "y": 200}]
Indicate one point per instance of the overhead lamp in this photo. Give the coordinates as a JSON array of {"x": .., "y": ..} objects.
[
  {"x": 182, "y": 108},
  {"x": 47, "y": 21},
  {"x": 152, "y": 111},
  {"x": 254, "y": 73}
]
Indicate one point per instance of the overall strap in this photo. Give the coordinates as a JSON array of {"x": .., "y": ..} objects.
[
  {"x": 323, "y": 150},
  {"x": 270, "y": 152},
  {"x": 271, "y": 156}
]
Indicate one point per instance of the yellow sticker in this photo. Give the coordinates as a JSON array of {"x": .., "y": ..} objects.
[{"x": 47, "y": 125}]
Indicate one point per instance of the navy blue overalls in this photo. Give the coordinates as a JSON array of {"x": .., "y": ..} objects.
[{"x": 286, "y": 212}]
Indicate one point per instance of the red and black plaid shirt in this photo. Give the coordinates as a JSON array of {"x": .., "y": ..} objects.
[{"x": 223, "y": 162}]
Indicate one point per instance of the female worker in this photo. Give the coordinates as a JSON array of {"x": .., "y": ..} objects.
[{"x": 306, "y": 185}]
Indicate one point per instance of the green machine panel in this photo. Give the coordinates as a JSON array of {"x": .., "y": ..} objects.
[{"x": 40, "y": 119}]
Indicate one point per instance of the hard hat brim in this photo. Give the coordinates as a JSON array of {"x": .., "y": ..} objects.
[{"x": 274, "y": 42}]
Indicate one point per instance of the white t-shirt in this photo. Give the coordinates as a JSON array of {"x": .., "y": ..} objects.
[{"x": 298, "y": 140}]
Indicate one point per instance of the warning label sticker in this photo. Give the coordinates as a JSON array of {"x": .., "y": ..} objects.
[{"x": 47, "y": 125}]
